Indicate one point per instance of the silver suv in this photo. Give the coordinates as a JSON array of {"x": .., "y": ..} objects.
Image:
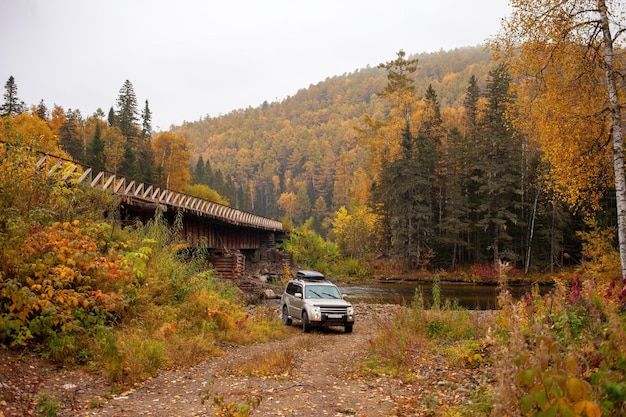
[{"x": 315, "y": 301}]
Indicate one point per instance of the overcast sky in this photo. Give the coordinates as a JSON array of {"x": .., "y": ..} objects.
[{"x": 193, "y": 58}]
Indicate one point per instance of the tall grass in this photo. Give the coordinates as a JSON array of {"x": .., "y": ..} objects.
[
  {"x": 405, "y": 337},
  {"x": 178, "y": 309}
]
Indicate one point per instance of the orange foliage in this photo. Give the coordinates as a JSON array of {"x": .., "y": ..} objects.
[{"x": 57, "y": 272}]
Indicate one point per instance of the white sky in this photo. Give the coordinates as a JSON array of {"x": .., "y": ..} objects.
[{"x": 192, "y": 58}]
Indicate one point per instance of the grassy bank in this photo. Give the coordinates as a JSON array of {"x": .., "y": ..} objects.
[{"x": 560, "y": 354}]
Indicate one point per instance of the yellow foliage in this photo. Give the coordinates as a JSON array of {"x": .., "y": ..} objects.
[
  {"x": 30, "y": 131},
  {"x": 204, "y": 192},
  {"x": 172, "y": 157},
  {"x": 357, "y": 231},
  {"x": 561, "y": 96}
]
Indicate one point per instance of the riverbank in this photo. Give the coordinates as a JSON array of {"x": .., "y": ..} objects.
[{"x": 479, "y": 274}]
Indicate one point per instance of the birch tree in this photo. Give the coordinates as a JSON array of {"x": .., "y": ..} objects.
[{"x": 565, "y": 57}]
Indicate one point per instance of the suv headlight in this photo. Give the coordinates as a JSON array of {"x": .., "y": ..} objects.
[
  {"x": 350, "y": 311},
  {"x": 317, "y": 313}
]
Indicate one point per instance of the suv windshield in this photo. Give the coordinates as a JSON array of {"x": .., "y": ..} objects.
[{"x": 322, "y": 291}]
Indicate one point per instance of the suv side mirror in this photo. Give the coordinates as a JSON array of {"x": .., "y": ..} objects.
[{"x": 298, "y": 295}]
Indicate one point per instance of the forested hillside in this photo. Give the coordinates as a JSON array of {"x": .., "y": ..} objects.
[
  {"x": 332, "y": 154},
  {"x": 307, "y": 144}
]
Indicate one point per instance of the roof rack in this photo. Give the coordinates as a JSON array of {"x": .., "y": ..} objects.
[{"x": 310, "y": 275}]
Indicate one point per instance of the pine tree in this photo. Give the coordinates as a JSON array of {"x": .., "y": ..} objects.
[
  {"x": 198, "y": 172},
  {"x": 96, "y": 149},
  {"x": 470, "y": 103},
  {"x": 500, "y": 153},
  {"x": 383, "y": 137},
  {"x": 456, "y": 222},
  {"x": 12, "y": 105},
  {"x": 404, "y": 193},
  {"x": 70, "y": 135},
  {"x": 111, "y": 117},
  {"x": 470, "y": 152},
  {"x": 145, "y": 152},
  {"x": 41, "y": 110},
  {"x": 126, "y": 119},
  {"x": 146, "y": 122}
]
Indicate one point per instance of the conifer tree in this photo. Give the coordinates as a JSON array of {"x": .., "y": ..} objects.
[
  {"x": 111, "y": 117},
  {"x": 456, "y": 222},
  {"x": 145, "y": 152},
  {"x": 126, "y": 119},
  {"x": 12, "y": 105},
  {"x": 96, "y": 149},
  {"x": 41, "y": 110},
  {"x": 198, "y": 172},
  {"x": 469, "y": 153},
  {"x": 70, "y": 135},
  {"x": 146, "y": 122},
  {"x": 404, "y": 193},
  {"x": 499, "y": 164},
  {"x": 383, "y": 137}
]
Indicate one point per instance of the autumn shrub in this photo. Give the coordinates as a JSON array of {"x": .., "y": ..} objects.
[
  {"x": 52, "y": 286},
  {"x": 600, "y": 257},
  {"x": 310, "y": 249},
  {"x": 484, "y": 273},
  {"x": 565, "y": 352}
]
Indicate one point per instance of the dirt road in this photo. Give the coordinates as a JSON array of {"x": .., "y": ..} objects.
[{"x": 322, "y": 383}]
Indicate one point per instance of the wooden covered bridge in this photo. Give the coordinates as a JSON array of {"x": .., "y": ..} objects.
[{"x": 233, "y": 237}]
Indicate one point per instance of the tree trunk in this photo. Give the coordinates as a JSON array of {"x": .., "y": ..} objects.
[
  {"x": 531, "y": 231},
  {"x": 616, "y": 119}
]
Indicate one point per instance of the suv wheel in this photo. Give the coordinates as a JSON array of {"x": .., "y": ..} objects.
[
  {"x": 306, "y": 324},
  {"x": 348, "y": 327},
  {"x": 286, "y": 318}
]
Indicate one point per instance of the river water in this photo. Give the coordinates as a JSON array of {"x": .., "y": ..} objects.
[{"x": 466, "y": 295}]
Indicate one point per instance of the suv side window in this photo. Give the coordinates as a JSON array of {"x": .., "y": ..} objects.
[{"x": 293, "y": 288}]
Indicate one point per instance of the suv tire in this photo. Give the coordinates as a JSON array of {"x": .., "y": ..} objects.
[
  {"x": 306, "y": 324},
  {"x": 348, "y": 327},
  {"x": 286, "y": 318}
]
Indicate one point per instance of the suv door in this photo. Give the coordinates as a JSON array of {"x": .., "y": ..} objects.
[{"x": 294, "y": 304}]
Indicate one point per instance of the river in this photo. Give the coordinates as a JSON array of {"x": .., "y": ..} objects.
[{"x": 466, "y": 295}]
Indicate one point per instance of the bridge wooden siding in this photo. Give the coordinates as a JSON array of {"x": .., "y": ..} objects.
[{"x": 225, "y": 230}]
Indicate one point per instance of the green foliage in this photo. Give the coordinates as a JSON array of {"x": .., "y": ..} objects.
[
  {"x": 47, "y": 406},
  {"x": 310, "y": 249},
  {"x": 454, "y": 331}
]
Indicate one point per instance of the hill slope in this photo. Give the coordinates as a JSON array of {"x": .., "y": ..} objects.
[{"x": 306, "y": 143}]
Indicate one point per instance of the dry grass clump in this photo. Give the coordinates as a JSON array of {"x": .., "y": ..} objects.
[{"x": 276, "y": 362}]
